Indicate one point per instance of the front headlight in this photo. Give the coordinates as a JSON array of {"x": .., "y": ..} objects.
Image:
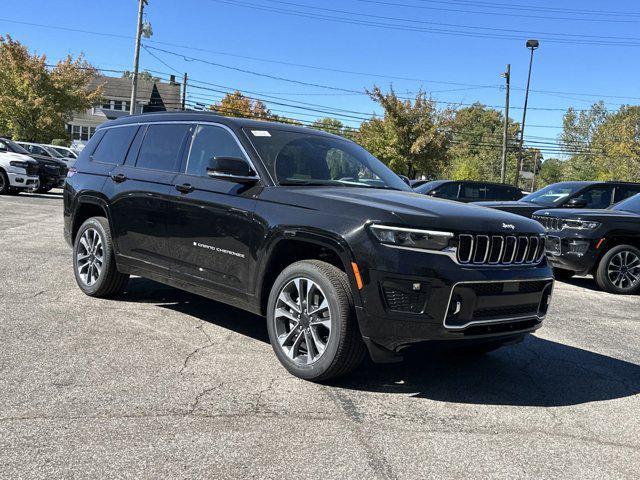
[
  {"x": 411, "y": 237},
  {"x": 581, "y": 224},
  {"x": 18, "y": 164}
]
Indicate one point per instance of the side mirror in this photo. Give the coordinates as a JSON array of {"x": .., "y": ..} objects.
[
  {"x": 405, "y": 179},
  {"x": 576, "y": 203},
  {"x": 233, "y": 169}
]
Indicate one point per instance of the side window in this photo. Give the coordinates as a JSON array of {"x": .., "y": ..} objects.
[
  {"x": 448, "y": 190},
  {"x": 624, "y": 192},
  {"x": 210, "y": 141},
  {"x": 161, "y": 146},
  {"x": 473, "y": 192},
  {"x": 597, "y": 197},
  {"x": 114, "y": 145}
]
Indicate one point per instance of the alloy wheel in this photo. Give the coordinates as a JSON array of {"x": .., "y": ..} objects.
[
  {"x": 90, "y": 257},
  {"x": 302, "y": 321},
  {"x": 624, "y": 270}
]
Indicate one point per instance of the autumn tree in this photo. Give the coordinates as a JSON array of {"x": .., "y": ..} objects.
[
  {"x": 476, "y": 134},
  {"x": 237, "y": 105},
  {"x": 35, "y": 102},
  {"x": 408, "y": 137},
  {"x": 144, "y": 75}
]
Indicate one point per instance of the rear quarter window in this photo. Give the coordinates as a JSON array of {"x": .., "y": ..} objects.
[
  {"x": 162, "y": 145},
  {"x": 114, "y": 145}
]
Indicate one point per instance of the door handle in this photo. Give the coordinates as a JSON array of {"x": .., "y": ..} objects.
[
  {"x": 185, "y": 188},
  {"x": 119, "y": 178}
]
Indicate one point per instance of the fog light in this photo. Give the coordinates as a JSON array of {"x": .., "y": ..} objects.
[
  {"x": 578, "y": 247},
  {"x": 19, "y": 180}
]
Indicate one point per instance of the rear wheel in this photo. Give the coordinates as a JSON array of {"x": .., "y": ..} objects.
[
  {"x": 619, "y": 270},
  {"x": 311, "y": 321},
  {"x": 94, "y": 260}
]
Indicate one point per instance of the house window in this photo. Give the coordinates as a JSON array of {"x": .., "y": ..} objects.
[
  {"x": 117, "y": 104},
  {"x": 75, "y": 132},
  {"x": 107, "y": 105}
]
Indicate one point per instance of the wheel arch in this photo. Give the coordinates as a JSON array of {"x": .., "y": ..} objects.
[
  {"x": 287, "y": 246},
  {"x": 87, "y": 206},
  {"x": 614, "y": 240}
]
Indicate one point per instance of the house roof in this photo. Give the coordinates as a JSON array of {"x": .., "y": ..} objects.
[{"x": 121, "y": 88}]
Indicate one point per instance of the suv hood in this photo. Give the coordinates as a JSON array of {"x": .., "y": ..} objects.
[
  {"x": 508, "y": 203},
  {"x": 9, "y": 156},
  {"x": 401, "y": 208},
  {"x": 584, "y": 214}
]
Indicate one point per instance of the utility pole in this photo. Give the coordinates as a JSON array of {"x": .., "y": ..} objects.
[
  {"x": 184, "y": 90},
  {"x": 535, "y": 170},
  {"x": 532, "y": 45},
  {"x": 136, "y": 59},
  {"x": 505, "y": 135}
]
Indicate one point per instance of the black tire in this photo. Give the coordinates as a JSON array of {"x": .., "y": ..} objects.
[
  {"x": 5, "y": 187},
  {"x": 110, "y": 281},
  {"x": 345, "y": 348},
  {"x": 562, "y": 274},
  {"x": 609, "y": 260}
]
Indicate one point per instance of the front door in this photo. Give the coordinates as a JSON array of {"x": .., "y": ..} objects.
[{"x": 213, "y": 234}]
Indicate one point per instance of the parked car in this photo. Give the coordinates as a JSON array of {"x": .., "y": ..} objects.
[
  {"x": 469, "y": 191},
  {"x": 66, "y": 152},
  {"x": 18, "y": 172},
  {"x": 257, "y": 215},
  {"x": 46, "y": 151},
  {"x": 52, "y": 172},
  {"x": 417, "y": 183},
  {"x": 605, "y": 243},
  {"x": 569, "y": 195}
]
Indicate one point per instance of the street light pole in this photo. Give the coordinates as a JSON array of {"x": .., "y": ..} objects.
[
  {"x": 532, "y": 45},
  {"x": 505, "y": 136},
  {"x": 136, "y": 59}
]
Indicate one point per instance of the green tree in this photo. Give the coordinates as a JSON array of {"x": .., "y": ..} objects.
[
  {"x": 552, "y": 170},
  {"x": 616, "y": 143},
  {"x": 409, "y": 138},
  {"x": 36, "y": 103},
  {"x": 578, "y": 129},
  {"x": 144, "y": 75},
  {"x": 476, "y": 144}
]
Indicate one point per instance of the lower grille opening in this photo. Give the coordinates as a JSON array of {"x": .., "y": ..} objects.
[
  {"x": 509, "y": 311},
  {"x": 402, "y": 297},
  {"x": 501, "y": 327}
]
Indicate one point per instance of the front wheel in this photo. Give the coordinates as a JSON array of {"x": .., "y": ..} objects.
[
  {"x": 619, "y": 270},
  {"x": 94, "y": 262},
  {"x": 311, "y": 321},
  {"x": 5, "y": 187}
]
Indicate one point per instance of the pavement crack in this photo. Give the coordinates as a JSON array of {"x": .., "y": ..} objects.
[
  {"x": 199, "y": 396},
  {"x": 193, "y": 353}
]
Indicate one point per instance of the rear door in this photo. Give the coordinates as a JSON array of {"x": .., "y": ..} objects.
[
  {"x": 140, "y": 191},
  {"x": 213, "y": 234}
]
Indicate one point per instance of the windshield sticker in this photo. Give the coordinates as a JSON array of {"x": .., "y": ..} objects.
[{"x": 260, "y": 133}]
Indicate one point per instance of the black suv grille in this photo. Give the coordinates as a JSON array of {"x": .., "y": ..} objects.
[
  {"x": 401, "y": 301},
  {"x": 499, "y": 249},
  {"x": 550, "y": 223},
  {"x": 32, "y": 168}
]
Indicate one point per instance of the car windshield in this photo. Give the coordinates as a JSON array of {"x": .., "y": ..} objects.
[
  {"x": 631, "y": 204},
  {"x": 427, "y": 187},
  {"x": 553, "y": 195},
  {"x": 308, "y": 159},
  {"x": 14, "y": 147},
  {"x": 53, "y": 152}
]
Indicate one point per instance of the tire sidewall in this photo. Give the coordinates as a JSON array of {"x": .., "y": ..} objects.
[
  {"x": 603, "y": 277},
  {"x": 339, "y": 315},
  {"x": 108, "y": 255},
  {"x": 5, "y": 188}
]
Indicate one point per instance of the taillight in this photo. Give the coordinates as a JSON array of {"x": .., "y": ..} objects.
[{"x": 71, "y": 172}]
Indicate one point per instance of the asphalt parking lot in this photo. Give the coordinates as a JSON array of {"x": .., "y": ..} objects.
[{"x": 163, "y": 384}]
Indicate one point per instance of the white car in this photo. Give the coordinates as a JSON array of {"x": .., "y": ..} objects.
[
  {"x": 64, "y": 151},
  {"x": 17, "y": 171}
]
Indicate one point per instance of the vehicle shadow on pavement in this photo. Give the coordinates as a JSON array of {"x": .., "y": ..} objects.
[
  {"x": 537, "y": 372},
  {"x": 142, "y": 290}
]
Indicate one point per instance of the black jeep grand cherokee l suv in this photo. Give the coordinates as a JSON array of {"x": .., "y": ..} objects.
[
  {"x": 605, "y": 243},
  {"x": 306, "y": 228}
]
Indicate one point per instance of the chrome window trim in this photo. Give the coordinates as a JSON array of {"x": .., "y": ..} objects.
[
  {"x": 499, "y": 320},
  {"x": 196, "y": 123}
]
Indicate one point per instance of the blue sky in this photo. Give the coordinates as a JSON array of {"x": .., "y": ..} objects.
[{"x": 462, "y": 63}]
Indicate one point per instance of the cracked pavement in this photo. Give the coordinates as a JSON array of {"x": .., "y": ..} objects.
[{"x": 159, "y": 383}]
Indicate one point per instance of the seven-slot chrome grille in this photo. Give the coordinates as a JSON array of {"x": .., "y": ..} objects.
[
  {"x": 550, "y": 223},
  {"x": 499, "y": 249}
]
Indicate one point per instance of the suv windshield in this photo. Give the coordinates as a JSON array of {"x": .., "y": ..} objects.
[
  {"x": 554, "y": 194},
  {"x": 296, "y": 158},
  {"x": 14, "y": 147},
  {"x": 53, "y": 152},
  {"x": 631, "y": 204}
]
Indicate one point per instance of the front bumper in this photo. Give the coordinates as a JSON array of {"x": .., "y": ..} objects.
[
  {"x": 573, "y": 253},
  {"x": 429, "y": 297},
  {"x": 21, "y": 180}
]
